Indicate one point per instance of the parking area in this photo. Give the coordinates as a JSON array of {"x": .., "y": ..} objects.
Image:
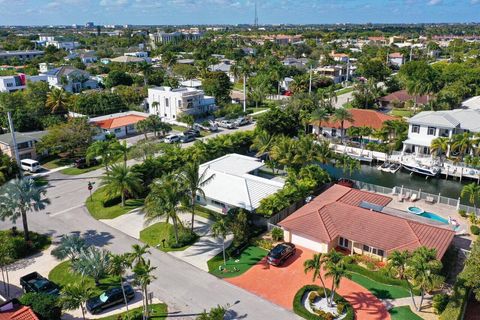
[{"x": 280, "y": 284}]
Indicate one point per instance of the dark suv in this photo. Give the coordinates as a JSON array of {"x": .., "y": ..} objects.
[
  {"x": 109, "y": 298},
  {"x": 278, "y": 255}
]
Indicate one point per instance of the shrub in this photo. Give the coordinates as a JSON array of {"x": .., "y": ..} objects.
[
  {"x": 263, "y": 243},
  {"x": 45, "y": 305},
  {"x": 313, "y": 296},
  {"x": 457, "y": 302},
  {"x": 475, "y": 230},
  {"x": 300, "y": 310},
  {"x": 185, "y": 237},
  {"x": 462, "y": 213},
  {"x": 21, "y": 248},
  {"x": 440, "y": 301},
  {"x": 340, "y": 308},
  {"x": 277, "y": 234}
]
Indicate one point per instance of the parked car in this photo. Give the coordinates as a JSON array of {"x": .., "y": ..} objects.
[
  {"x": 278, "y": 255},
  {"x": 34, "y": 282},
  {"x": 242, "y": 121},
  {"x": 187, "y": 138},
  {"x": 229, "y": 124},
  {"x": 192, "y": 132},
  {"x": 109, "y": 298},
  {"x": 82, "y": 163},
  {"x": 172, "y": 138},
  {"x": 30, "y": 165}
]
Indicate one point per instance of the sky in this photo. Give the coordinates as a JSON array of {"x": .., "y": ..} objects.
[{"x": 176, "y": 12}]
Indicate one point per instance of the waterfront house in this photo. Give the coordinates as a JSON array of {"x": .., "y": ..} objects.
[
  {"x": 362, "y": 118},
  {"x": 352, "y": 220},
  {"x": 236, "y": 183},
  {"x": 429, "y": 125}
]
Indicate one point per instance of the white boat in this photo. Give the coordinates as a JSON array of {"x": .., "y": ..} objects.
[
  {"x": 394, "y": 167},
  {"x": 384, "y": 166},
  {"x": 422, "y": 169}
]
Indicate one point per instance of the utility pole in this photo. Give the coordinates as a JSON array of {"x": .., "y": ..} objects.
[
  {"x": 255, "y": 22},
  {"x": 310, "y": 82},
  {"x": 244, "y": 92},
  {"x": 14, "y": 142}
]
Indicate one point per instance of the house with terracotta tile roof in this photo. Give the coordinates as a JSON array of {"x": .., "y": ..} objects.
[
  {"x": 398, "y": 99},
  {"x": 396, "y": 59},
  {"x": 361, "y": 118},
  {"x": 120, "y": 124},
  {"x": 13, "y": 310},
  {"x": 354, "y": 221}
]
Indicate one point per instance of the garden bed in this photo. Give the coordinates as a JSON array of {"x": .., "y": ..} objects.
[
  {"x": 154, "y": 234},
  {"x": 301, "y": 298},
  {"x": 21, "y": 248},
  {"x": 158, "y": 311},
  {"x": 100, "y": 207},
  {"x": 236, "y": 265}
]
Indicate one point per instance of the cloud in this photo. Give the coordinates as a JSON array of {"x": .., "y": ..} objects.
[
  {"x": 474, "y": 1},
  {"x": 434, "y": 2},
  {"x": 114, "y": 3}
]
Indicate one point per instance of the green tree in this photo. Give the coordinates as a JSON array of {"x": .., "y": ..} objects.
[
  {"x": 144, "y": 277},
  {"x": 104, "y": 150},
  {"x": 71, "y": 246},
  {"x": 341, "y": 115},
  {"x": 194, "y": 182},
  {"x": 315, "y": 265},
  {"x": 471, "y": 192},
  {"x": 45, "y": 306},
  {"x": 462, "y": 142},
  {"x": 470, "y": 273},
  {"x": 121, "y": 181},
  {"x": 92, "y": 262},
  {"x": 262, "y": 143},
  {"x": 397, "y": 262},
  {"x": 221, "y": 228},
  {"x": 217, "y": 313},
  {"x": 20, "y": 196},
  {"x": 58, "y": 100},
  {"x": 75, "y": 295},
  {"x": 146, "y": 69},
  {"x": 217, "y": 84},
  {"x": 336, "y": 269},
  {"x": 121, "y": 149},
  {"x": 137, "y": 255},
  {"x": 375, "y": 69},
  {"x": 118, "y": 265},
  {"x": 117, "y": 77},
  {"x": 439, "y": 145}
]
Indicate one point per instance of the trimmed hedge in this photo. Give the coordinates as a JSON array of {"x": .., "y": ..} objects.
[
  {"x": 456, "y": 305},
  {"x": 379, "y": 277},
  {"x": 300, "y": 310}
]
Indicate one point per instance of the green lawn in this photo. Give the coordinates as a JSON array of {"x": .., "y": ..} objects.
[
  {"x": 54, "y": 162},
  {"x": 402, "y": 112},
  {"x": 403, "y": 313},
  {"x": 159, "y": 311},
  {"x": 380, "y": 290},
  {"x": 206, "y": 213},
  {"x": 40, "y": 181},
  {"x": 253, "y": 110},
  {"x": 99, "y": 208},
  {"x": 154, "y": 234},
  {"x": 344, "y": 90},
  {"x": 62, "y": 275},
  {"x": 72, "y": 171},
  {"x": 248, "y": 258}
]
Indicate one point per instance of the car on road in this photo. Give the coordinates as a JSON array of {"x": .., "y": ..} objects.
[
  {"x": 187, "y": 138},
  {"x": 228, "y": 124},
  {"x": 34, "y": 282},
  {"x": 109, "y": 298},
  {"x": 242, "y": 121},
  {"x": 30, "y": 165},
  {"x": 280, "y": 253},
  {"x": 173, "y": 138},
  {"x": 82, "y": 163},
  {"x": 192, "y": 132}
]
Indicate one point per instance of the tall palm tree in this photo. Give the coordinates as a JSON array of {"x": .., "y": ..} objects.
[
  {"x": 284, "y": 151},
  {"x": 118, "y": 265},
  {"x": 137, "y": 255},
  {"x": 164, "y": 200},
  {"x": 121, "y": 149},
  {"x": 102, "y": 149},
  {"x": 335, "y": 268},
  {"x": 146, "y": 69},
  {"x": 57, "y": 100},
  {"x": 221, "y": 228},
  {"x": 341, "y": 115},
  {"x": 20, "y": 196},
  {"x": 462, "y": 142},
  {"x": 262, "y": 143},
  {"x": 121, "y": 181},
  {"x": 315, "y": 265},
  {"x": 397, "y": 262},
  {"x": 318, "y": 116},
  {"x": 194, "y": 183},
  {"x": 471, "y": 191},
  {"x": 144, "y": 277},
  {"x": 75, "y": 295},
  {"x": 439, "y": 146}
]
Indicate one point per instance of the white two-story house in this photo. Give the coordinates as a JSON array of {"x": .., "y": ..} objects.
[
  {"x": 169, "y": 103},
  {"x": 429, "y": 125},
  {"x": 70, "y": 79}
]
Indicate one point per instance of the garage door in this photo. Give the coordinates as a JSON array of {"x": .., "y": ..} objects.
[{"x": 309, "y": 244}]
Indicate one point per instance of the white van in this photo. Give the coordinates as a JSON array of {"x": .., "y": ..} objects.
[{"x": 29, "y": 165}]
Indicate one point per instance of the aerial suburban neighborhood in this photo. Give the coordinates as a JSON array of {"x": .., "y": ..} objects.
[{"x": 214, "y": 160}]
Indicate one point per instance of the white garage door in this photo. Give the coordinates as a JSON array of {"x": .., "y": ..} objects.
[{"x": 309, "y": 244}]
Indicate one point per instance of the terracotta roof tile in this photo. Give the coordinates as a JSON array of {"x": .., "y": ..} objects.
[
  {"x": 21, "y": 313},
  {"x": 361, "y": 118},
  {"x": 119, "y": 121},
  {"x": 403, "y": 96}
]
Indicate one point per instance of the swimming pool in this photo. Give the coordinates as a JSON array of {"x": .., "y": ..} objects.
[{"x": 433, "y": 216}]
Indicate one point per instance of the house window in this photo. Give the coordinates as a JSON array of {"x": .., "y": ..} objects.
[
  {"x": 431, "y": 131},
  {"x": 166, "y": 102},
  {"x": 415, "y": 129},
  {"x": 334, "y": 132},
  {"x": 380, "y": 252},
  {"x": 366, "y": 248},
  {"x": 342, "y": 242},
  {"x": 117, "y": 130}
]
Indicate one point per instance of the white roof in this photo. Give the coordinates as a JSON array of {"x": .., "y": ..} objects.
[
  {"x": 234, "y": 185},
  {"x": 472, "y": 103},
  {"x": 465, "y": 119}
]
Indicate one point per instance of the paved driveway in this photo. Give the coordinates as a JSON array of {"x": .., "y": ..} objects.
[{"x": 280, "y": 284}]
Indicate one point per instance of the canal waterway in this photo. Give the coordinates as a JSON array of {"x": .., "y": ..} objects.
[{"x": 370, "y": 174}]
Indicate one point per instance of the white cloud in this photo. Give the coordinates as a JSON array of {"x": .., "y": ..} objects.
[
  {"x": 434, "y": 2},
  {"x": 113, "y": 3}
]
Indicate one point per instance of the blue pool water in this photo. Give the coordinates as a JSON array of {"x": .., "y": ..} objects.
[{"x": 433, "y": 216}]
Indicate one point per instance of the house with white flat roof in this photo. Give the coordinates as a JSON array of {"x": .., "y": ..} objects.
[
  {"x": 235, "y": 183},
  {"x": 429, "y": 125},
  {"x": 472, "y": 103}
]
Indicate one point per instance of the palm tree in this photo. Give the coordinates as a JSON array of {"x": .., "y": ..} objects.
[
  {"x": 423, "y": 271},
  {"x": 472, "y": 192},
  {"x": 6, "y": 253},
  {"x": 57, "y": 100},
  {"x": 136, "y": 256},
  {"x": 319, "y": 115},
  {"x": 397, "y": 261},
  {"x": 18, "y": 197},
  {"x": 262, "y": 143},
  {"x": 121, "y": 148},
  {"x": 439, "y": 146},
  {"x": 315, "y": 265},
  {"x": 221, "y": 228},
  {"x": 194, "y": 183},
  {"x": 119, "y": 263},
  {"x": 462, "y": 142},
  {"x": 146, "y": 70},
  {"x": 102, "y": 149},
  {"x": 284, "y": 151},
  {"x": 164, "y": 199},
  {"x": 92, "y": 262},
  {"x": 143, "y": 277},
  {"x": 120, "y": 181},
  {"x": 341, "y": 115},
  {"x": 335, "y": 268},
  {"x": 143, "y": 127},
  {"x": 75, "y": 295},
  {"x": 71, "y": 246}
]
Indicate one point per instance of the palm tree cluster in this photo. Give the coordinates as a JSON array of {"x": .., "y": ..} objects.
[
  {"x": 420, "y": 269},
  {"x": 153, "y": 124},
  {"x": 459, "y": 145}
]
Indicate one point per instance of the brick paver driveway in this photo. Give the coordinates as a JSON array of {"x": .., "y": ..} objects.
[{"x": 280, "y": 284}]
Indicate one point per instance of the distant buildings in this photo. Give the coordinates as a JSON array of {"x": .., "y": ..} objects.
[
  {"x": 18, "y": 82},
  {"x": 338, "y": 73},
  {"x": 224, "y": 66},
  {"x": 169, "y": 103},
  {"x": 20, "y": 54},
  {"x": 161, "y": 37},
  {"x": 58, "y": 42}
]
